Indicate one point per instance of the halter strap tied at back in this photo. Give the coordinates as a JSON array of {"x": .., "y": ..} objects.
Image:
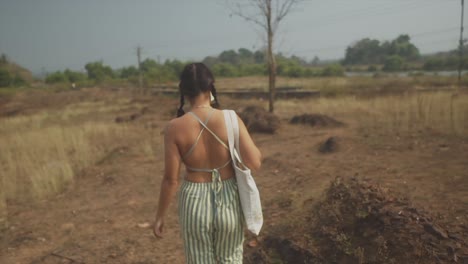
[{"x": 215, "y": 175}]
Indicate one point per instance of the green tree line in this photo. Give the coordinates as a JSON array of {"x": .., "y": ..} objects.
[
  {"x": 399, "y": 54},
  {"x": 230, "y": 63},
  {"x": 447, "y": 61},
  {"x": 372, "y": 51}
]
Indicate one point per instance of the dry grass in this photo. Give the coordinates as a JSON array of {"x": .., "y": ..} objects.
[
  {"x": 261, "y": 82},
  {"x": 251, "y": 82},
  {"x": 42, "y": 153},
  {"x": 441, "y": 112},
  {"x": 42, "y": 161},
  {"x": 334, "y": 86}
]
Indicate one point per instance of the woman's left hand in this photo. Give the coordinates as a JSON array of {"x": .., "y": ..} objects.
[{"x": 158, "y": 228}]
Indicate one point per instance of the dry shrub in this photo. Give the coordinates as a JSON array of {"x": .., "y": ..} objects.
[{"x": 257, "y": 119}]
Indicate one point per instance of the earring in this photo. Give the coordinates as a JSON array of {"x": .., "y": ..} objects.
[{"x": 212, "y": 97}]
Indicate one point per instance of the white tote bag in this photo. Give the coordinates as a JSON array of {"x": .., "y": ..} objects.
[{"x": 248, "y": 192}]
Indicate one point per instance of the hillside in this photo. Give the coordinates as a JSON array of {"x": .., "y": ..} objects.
[{"x": 12, "y": 74}]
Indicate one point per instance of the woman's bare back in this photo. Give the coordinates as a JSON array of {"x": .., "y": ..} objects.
[{"x": 207, "y": 153}]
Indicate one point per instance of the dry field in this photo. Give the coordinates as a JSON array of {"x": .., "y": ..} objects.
[{"x": 80, "y": 170}]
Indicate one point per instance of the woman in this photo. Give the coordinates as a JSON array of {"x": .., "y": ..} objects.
[{"x": 209, "y": 210}]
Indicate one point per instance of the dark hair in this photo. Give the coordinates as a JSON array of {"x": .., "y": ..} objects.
[{"x": 196, "y": 78}]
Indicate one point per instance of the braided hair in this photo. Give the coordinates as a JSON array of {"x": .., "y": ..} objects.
[
  {"x": 180, "y": 111},
  {"x": 196, "y": 78},
  {"x": 215, "y": 103}
]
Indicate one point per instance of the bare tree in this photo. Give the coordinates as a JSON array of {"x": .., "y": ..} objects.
[{"x": 267, "y": 14}]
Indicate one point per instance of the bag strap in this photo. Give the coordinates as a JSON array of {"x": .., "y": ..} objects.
[
  {"x": 235, "y": 129},
  {"x": 232, "y": 127},
  {"x": 235, "y": 126},
  {"x": 230, "y": 132}
]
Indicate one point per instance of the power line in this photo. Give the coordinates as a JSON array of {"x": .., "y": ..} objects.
[
  {"x": 425, "y": 44},
  {"x": 364, "y": 13},
  {"x": 382, "y": 8},
  {"x": 378, "y": 8},
  {"x": 343, "y": 48},
  {"x": 435, "y": 31},
  {"x": 439, "y": 31},
  {"x": 320, "y": 21},
  {"x": 387, "y": 11}
]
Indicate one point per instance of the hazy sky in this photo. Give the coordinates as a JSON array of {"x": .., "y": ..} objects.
[{"x": 49, "y": 35}]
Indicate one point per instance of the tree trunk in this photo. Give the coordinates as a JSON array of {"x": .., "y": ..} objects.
[
  {"x": 272, "y": 75},
  {"x": 271, "y": 62}
]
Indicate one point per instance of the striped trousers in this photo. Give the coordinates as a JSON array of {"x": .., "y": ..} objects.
[{"x": 211, "y": 219}]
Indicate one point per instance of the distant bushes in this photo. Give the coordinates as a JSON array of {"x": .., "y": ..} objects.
[
  {"x": 65, "y": 76},
  {"x": 10, "y": 80},
  {"x": 393, "y": 63},
  {"x": 366, "y": 55},
  {"x": 11, "y": 75},
  {"x": 99, "y": 72},
  {"x": 5, "y": 78},
  {"x": 444, "y": 63},
  {"x": 56, "y": 77},
  {"x": 333, "y": 70},
  {"x": 372, "y": 51},
  {"x": 244, "y": 62}
]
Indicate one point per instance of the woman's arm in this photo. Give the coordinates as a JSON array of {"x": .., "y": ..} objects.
[
  {"x": 170, "y": 181},
  {"x": 249, "y": 152}
]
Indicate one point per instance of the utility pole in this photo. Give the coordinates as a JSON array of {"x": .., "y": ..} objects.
[
  {"x": 140, "y": 74},
  {"x": 461, "y": 44},
  {"x": 159, "y": 75}
]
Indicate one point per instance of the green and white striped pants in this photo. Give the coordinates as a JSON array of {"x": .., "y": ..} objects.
[{"x": 212, "y": 222}]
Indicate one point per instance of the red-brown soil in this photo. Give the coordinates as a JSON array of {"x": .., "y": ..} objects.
[{"x": 103, "y": 216}]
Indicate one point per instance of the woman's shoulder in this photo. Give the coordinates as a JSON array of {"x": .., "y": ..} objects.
[
  {"x": 178, "y": 121},
  {"x": 174, "y": 124},
  {"x": 181, "y": 122}
]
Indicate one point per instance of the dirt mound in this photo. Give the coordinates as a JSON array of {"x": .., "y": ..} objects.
[
  {"x": 259, "y": 120},
  {"x": 359, "y": 222},
  {"x": 316, "y": 120},
  {"x": 329, "y": 146}
]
